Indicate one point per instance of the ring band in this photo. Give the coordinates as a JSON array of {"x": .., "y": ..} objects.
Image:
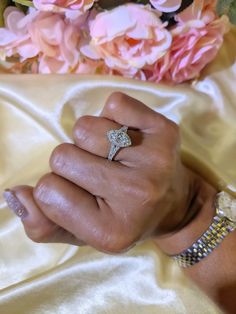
[{"x": 118, "y": 139}]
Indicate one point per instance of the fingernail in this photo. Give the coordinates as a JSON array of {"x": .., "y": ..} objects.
[{"x": 14, "y": 204}]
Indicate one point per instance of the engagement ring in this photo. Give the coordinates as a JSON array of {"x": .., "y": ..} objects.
[{"x": 118, "y": 139}]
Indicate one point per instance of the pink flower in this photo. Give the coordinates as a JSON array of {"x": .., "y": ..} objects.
[
  {"x": 15, "y": 38},
  {"x": 196, "y": 40},
  {"x": 166, "y": 5},
  {"x": 72, "y": 8},
  {"x": 199, "y": 13},
  {"x": 49, "y": 36},
  {"x": 128, "y": 37},
  {"x": 88, "y": 66},
  {"x": 57, "y": 40},
  {"x": 157, "y": 71},
  {"x": 194, "y": 49}
]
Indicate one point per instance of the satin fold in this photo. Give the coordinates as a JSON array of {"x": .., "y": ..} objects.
[{"x": 36, "y": 114}]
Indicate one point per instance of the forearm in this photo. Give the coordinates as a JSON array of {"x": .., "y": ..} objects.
[{"x": 216, "y": 273}]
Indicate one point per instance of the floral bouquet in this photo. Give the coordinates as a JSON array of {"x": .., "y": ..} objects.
[{"x": 154, "y": 40}]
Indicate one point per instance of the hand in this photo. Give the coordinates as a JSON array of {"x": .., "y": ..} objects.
[{"x": 110, "y": 205}]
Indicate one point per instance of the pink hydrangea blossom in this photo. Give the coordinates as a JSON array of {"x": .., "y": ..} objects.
[
  {"x": 166, "y": 5},
  {"x": 72, "y": 8},
  {"x": 128, "y": 37}
]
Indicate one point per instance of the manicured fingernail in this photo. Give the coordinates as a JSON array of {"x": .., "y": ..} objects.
[{"x": 14, "y": 204}]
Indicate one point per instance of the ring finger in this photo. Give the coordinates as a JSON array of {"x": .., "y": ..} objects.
[{"x": 90, "y": 134}]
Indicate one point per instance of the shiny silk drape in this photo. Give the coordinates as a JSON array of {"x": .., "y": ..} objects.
[{"x": 36, "y": 114}]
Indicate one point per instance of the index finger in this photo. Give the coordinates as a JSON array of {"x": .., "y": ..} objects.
[{"x": 131, "y": 112}]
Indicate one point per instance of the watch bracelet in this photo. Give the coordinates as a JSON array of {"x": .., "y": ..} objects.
[{"x": 210, "y": 239}]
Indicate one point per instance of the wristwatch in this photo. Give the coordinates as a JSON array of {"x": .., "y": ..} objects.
[{"x": 223, "y": 223}]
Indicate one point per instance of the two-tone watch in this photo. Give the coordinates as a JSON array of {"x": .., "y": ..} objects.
[{"x": 223, "y": 223}]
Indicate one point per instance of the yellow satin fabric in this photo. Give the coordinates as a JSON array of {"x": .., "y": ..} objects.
[{"x": 36, "y": 114}]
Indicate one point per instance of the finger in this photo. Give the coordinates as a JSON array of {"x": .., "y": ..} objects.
[
  {"x": 130, "y": 112},
  {"x": 90, "y": 134},
  {"x": 80, "y": 213},
  {"x": 37, "y": 226},
  {"x": 90, "y": 172}
]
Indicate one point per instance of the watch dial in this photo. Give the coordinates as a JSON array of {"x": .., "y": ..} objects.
[{"x": 226, "y": 206}]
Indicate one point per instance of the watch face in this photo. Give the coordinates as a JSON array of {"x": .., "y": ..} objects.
[{"x": 226, "y": 206}]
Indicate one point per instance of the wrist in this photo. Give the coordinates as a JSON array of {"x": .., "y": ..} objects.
[{"x": 199, "y": 214}]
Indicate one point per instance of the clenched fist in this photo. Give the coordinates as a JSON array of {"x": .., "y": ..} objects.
[{"x": 144, "y": 192}]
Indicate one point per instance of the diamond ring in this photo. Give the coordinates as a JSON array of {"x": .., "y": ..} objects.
[{"x": 118, "y": 139}]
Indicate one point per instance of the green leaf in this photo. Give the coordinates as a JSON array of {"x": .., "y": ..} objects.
[
  {"x": 111, "y": 4},
  {"x": 27, "y": 3},
  {"x": 21, "y": 7},
  {"x": 227, "y": 7},
  {"x": 3, "y": 5}
]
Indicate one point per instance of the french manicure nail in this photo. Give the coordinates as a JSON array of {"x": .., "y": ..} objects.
[{"x": 14, "y": 204}]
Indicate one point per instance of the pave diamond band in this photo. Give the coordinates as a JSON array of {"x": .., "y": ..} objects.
[{"x": 118, "y": 139}]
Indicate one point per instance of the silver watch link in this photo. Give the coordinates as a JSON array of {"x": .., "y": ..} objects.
[{"x": 223, "y": 223}]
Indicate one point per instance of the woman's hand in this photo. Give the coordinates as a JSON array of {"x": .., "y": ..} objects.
[
  {"x": 111, "y": 205},
  {"x": 146, "y": 192}
]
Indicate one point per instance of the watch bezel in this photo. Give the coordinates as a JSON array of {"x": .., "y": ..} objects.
[{"x": 222, "y": 210}]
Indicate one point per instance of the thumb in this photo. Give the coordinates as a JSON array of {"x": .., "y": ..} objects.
[{"x": 37, "y": 226}]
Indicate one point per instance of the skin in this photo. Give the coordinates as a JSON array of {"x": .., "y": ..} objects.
[
  {"x": 145, "y": 193},
  {"x": 112, "y": 205}
]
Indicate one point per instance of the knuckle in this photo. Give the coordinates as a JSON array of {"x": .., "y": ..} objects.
[
  {"x": 116, "y": 241},
  {"x": 39, "y": 234},
  {"x": 116, "y": 101},
  {"x": 171, "y": 127},
  {"x": 116, "y": 244},
  {"x": 82, "y": 128},
  {"x": 175, "y": 130},
  {"x": 161, "y": 121},
  {"x": 58, "y": 156},
  {"x": 43, "y": 187},
  {"x": 36, "y": 236}
]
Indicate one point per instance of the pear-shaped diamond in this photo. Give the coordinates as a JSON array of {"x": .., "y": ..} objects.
[{"x": 119, "y": 138}]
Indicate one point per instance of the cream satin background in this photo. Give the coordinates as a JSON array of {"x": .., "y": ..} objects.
[{"x": 36, "y": 114}]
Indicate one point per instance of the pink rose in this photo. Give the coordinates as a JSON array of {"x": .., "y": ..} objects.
[
  {"x": 193, "y": 49},
  {"x": 200, "y": 12},
  {"x": 15, "y": 38},
  {"x": 166, "y": 5},
  {"x": 197, "y": 38},
  {"x": 128, "y": 37},
  {"x": 72, "y": 8},
  {"x": 57, "y": 40},
  {"x": 157, "y": 71},
  {"x": 49, "y": 36}
]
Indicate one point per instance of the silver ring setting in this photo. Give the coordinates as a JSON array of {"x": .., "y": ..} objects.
[{"x": 118, "y": 139}]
